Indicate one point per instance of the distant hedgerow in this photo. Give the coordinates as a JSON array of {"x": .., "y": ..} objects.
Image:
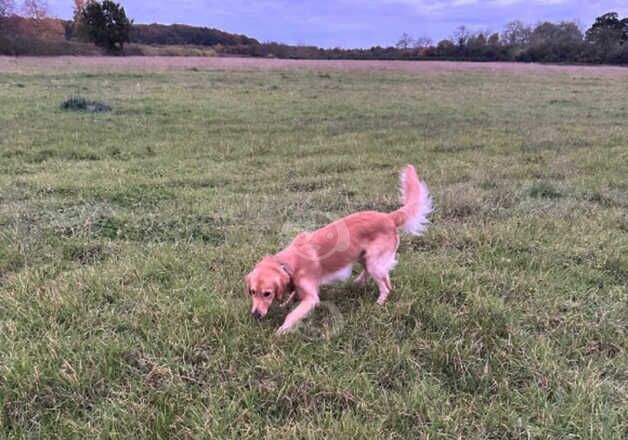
[{"x": 78, "y": 103}]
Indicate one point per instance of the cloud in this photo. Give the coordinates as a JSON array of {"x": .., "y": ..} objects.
[
  {"x": 440, "y": 5},
  {"x": 506, "y": 2}
]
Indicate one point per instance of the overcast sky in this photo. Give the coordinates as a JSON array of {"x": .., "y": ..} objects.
[{"x": 355, "y": 23}]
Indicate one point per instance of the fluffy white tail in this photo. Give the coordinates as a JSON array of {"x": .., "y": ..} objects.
[{"x": 412, "y": 217}]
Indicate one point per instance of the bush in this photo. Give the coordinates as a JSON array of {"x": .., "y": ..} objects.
[
  {"x": 78, "y": 103},
  {"x": 544, "y": 190},
  {"x": 24, "y": 36}
]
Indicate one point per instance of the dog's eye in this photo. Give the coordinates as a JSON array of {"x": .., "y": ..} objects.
[
  {"x": 266, "y": 294},
  {"x": 251, "y": 292}
]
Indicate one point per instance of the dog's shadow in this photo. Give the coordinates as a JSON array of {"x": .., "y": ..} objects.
[
  {"x": 348, "y": 293},
  {"x": 345, "y": 296}
]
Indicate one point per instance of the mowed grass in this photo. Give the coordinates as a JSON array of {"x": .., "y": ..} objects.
[{"x": 125, "y": 236}]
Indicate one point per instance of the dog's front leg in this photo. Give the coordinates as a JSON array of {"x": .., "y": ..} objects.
[{"x": 309, "y": 302}]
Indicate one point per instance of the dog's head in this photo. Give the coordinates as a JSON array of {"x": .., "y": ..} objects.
[{"x": 266, "y": 282}]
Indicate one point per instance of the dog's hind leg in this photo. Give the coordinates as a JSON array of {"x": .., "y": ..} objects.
[
  {"x": 379, "y": 264},
  {"x": 384, "y": 290},
  {"x": 387, "y": 281},
  {"x": 363, "y": 277}
]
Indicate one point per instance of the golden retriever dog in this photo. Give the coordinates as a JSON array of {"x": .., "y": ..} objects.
[{"x": 314, "y": 259}]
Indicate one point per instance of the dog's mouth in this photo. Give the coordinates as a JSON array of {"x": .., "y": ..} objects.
[{"x": 257, "y": 315}]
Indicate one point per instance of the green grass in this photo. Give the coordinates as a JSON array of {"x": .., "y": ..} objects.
[{"x": 124, "y": 238}]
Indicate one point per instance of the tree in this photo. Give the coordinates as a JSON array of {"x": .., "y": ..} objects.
[
  {"x": 608, "y": 29},
  {"x": 405, "y": 41},
  {"x": 446, "y": 48},
  {"x": 606, "y": 37},
  {"x": 37, "y": 9},
  {"x": 461, "y": 36},
  {"x": 423, "y": 42},
  {"x": 75, "y": 28},
  {"x": 493, "y": 40},
  {"x": 79, "y": 9},
  {"x": 7, "y": 7},
  {"x": 494, "y": 49},
  {"x": 106, "y": 24},
  {"x": 476, "y": 45},
  {"x": 517, "y": 34},
  {"x": 477, "y": 41},
  {"x": 556, "y": 42}
]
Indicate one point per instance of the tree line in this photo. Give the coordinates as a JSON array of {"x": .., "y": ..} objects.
[
  {"x": 106, "y": 24},
  {"x": 606, "y": 41}
]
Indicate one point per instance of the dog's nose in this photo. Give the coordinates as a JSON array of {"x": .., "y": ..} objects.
[{"x": 257, "y": 315}]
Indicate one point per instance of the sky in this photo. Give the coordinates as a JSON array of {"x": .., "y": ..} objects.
[{"x": 356, "y": 23}]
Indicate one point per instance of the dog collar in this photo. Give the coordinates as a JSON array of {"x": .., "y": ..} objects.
[
  {"x": 283, "y": 266},
  {"x": 284, "y": 269}
]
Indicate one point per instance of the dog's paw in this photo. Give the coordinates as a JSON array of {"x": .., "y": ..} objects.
[{"x": 284, "y": 330}]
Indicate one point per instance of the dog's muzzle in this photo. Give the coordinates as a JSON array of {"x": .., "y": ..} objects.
[{"x": 257, "y": 315}]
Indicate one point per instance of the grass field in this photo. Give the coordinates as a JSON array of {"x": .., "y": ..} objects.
[{"x": 125, "y": 235}]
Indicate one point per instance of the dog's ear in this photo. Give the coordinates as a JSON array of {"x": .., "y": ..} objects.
[
  {"x": 280, "y": 289},
  {"x": 282, "y": 286}
]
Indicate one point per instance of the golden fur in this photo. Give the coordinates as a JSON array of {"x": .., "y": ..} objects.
[{"x": 328, "y": 254}]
